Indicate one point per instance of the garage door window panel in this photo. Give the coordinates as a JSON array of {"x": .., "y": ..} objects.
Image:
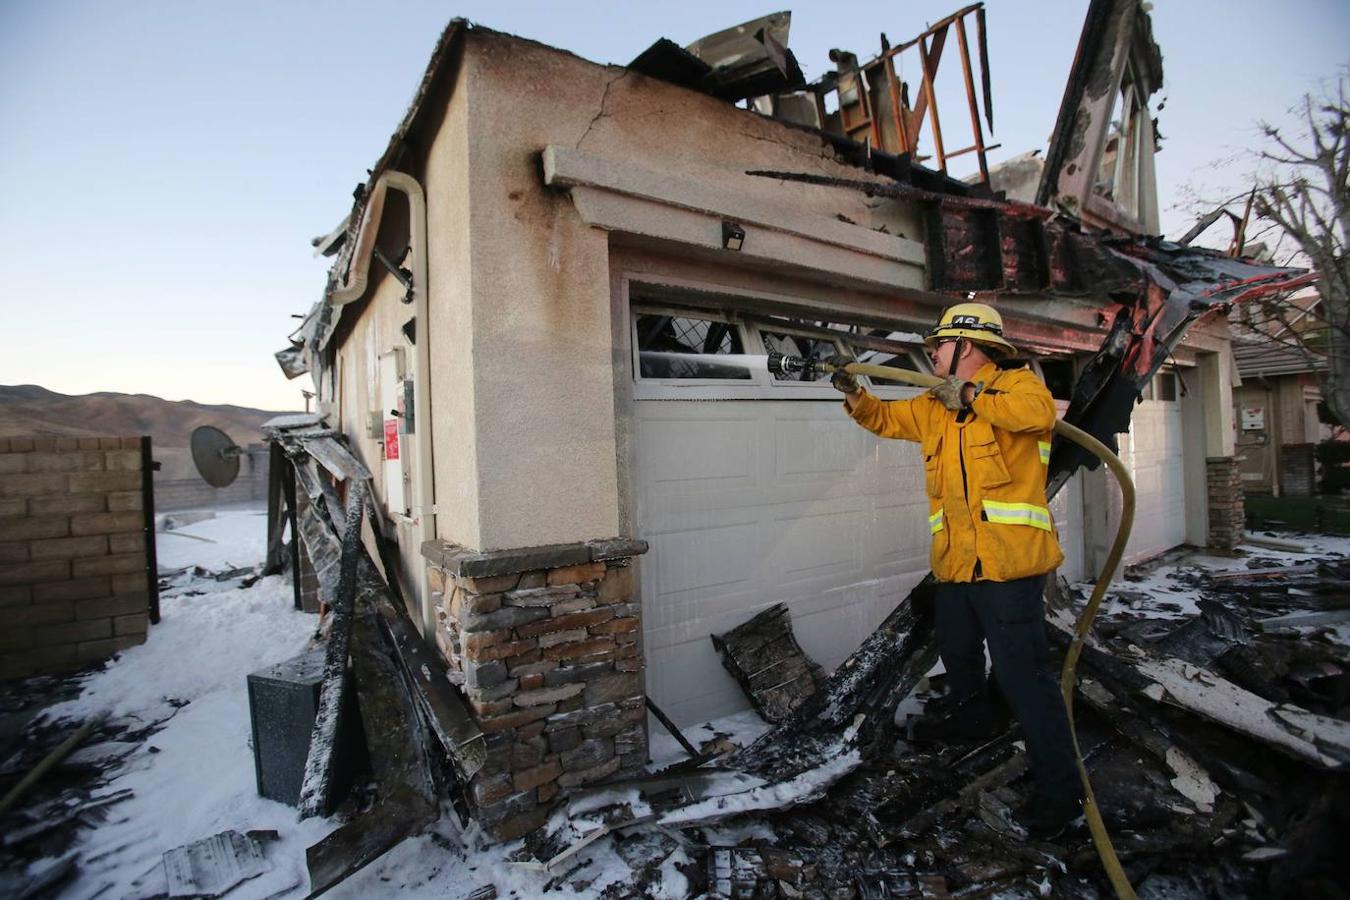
[
  {"x": 687, "y": 347},
  {"x": 893, "y": 349}
]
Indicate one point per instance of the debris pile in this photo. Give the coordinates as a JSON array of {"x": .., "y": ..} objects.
[{"x": 1216, "y": 740}]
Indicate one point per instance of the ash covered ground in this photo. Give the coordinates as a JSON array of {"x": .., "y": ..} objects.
[{"x": 1195, "y": 808}]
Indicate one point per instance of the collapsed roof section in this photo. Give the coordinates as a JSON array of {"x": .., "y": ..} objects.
[
  {"x": 864, "y": 103},
  {"x": 1099, "y": 166},
  {"x": 749, "y": 60},
  {"x": 1097, "y": 175}
]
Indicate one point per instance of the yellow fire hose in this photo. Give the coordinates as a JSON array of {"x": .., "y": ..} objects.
[{"x": 1096, "y": 826}]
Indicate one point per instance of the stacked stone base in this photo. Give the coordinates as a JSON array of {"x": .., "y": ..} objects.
[
  {"x": 550, "y": 662},
  {"x": 1227, "y": 512}
]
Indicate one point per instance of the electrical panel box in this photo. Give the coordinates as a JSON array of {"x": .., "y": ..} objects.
[
  {"x": 283, "y": 701},
  {"x": 394, "y": 409}
]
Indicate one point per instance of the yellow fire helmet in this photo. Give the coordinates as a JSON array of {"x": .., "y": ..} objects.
[{"x": 978, "y": 322}]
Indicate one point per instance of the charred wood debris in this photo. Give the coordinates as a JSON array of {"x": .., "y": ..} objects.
[{"x": 1217, "y": 744}]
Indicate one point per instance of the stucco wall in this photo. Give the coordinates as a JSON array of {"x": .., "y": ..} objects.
[
  {"x": 525, "y": 366},
  {"x": 542, "y": 342},
  {"x": 454, "y": 398},
  {"x": 373, "y": 326},
  {"x": 375, "y": 332}
]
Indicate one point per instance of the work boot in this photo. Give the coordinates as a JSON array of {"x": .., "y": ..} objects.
[
  {"x": 1046, "y": 817},
  {"x": 967, "y": 722}
]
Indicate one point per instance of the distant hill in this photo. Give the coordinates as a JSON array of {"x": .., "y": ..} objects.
[{"x": 26, "y": 409}]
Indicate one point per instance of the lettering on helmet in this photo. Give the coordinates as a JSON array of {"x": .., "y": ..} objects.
[{"x": 960, "y": 321}]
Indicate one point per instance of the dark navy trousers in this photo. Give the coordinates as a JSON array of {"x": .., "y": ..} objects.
[{"x": 1010, "y": 616}]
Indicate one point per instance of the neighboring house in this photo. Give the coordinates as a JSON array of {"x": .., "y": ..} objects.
[
  {"x": 1276, "y": 417},
  {"x": 544, "y": 333}
]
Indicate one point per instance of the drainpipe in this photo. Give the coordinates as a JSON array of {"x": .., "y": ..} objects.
[
  {"x": 358, "y": 272},
  {"x": 424, "y": 509}
]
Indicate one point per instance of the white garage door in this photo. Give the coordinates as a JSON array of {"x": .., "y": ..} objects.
[
  {"x": 750, "y": 503},
  {"x": 1070, "y": 526},
  {"x": 1152, "y": 452},
  {"x": 1067, "y": 509},
  {"x": 753, "y": 491}
]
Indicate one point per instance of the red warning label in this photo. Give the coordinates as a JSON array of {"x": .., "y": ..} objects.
[{"x": 391, "y": 438}]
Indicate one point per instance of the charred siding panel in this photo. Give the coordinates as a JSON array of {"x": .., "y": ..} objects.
[
  {"x": 1025, "y": 254},
  {"x": 1063, "y": 262},
  {"x": 964, "y": 249}
]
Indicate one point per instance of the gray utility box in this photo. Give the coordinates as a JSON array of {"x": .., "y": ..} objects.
[{"x": 283, "y": 701}]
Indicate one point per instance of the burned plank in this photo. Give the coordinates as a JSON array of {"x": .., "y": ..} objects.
[
  {"x": 276, "y": 507},
  {"x": 673, "y": 729},
  {"x": 442, "y": 706},
  {"x": 1280, "y": 572},
  {"x": 316, "y": 790},
  {"x": 337, "y": 459},
  {"x": 763, "y": 655},
  {"x": 1304, "y": 620},
  {"x": 14, "y": 794},
  {"x": 1205, "y": 638},
  {"x": 405, "y": 797},
  {"x": 1190, "y": 778},
  {"x": 1314, "y": 739}
]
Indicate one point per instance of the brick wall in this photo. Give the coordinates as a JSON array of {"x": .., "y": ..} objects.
[
  {"x": 73, "y": 583},
  {"x": 1223, "y": 482},
  {"x": 545, "y": 644}
]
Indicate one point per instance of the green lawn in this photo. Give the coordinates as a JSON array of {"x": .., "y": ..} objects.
[{"x": 1328, "y": 515}]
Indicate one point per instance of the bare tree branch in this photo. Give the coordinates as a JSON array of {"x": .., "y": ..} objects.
[{"x": 1302, "y": 208}]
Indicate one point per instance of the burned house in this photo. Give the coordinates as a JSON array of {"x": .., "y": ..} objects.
[{"x": 543, "y": 337}]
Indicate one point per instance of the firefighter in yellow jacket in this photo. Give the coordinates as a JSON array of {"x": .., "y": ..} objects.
[{"x": 985, "y": 437}]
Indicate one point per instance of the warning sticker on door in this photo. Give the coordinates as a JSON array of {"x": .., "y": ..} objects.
[{"x": 391, "y": 438}]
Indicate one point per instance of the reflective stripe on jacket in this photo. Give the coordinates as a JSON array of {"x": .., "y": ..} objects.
[{"x": 988, "y": 515}]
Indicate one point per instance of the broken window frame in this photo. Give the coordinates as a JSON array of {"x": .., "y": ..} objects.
[
  {"x": 1122, "y": 189},
  {"x": 738, "y": 328},
  {"x": 848, "y": 337},
  {"x": 1130, "y": 200}
]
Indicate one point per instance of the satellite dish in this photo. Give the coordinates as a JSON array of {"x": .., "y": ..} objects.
[{"x": 216, "y": 456}]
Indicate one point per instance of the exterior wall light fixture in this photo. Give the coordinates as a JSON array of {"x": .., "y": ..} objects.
[{"x": 733, "y": 235}]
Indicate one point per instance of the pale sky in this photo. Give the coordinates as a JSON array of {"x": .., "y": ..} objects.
[{"x": 165, "y": 162}]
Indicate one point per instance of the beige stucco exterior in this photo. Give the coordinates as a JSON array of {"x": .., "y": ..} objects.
[
  {"x": 551, "y": 184},
  {"x": 519, "y": 283}
]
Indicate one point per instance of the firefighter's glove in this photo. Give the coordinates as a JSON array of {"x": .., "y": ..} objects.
[
  {"x": 843, "y": 381},
  {"x": 948, "y": 393}
]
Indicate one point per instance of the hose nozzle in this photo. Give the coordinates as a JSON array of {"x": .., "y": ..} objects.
[{"x": 781, "y": 364}]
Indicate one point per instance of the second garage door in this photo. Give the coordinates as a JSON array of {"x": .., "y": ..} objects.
[{"x": 750, "y": 503}]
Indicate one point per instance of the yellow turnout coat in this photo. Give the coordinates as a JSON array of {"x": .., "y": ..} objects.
[{"x": 985, "y": 476}]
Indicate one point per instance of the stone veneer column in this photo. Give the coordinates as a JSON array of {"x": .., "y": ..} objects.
[
  {"x": 1223, "y": 483},
  {"x": 545, "y": 643}
]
